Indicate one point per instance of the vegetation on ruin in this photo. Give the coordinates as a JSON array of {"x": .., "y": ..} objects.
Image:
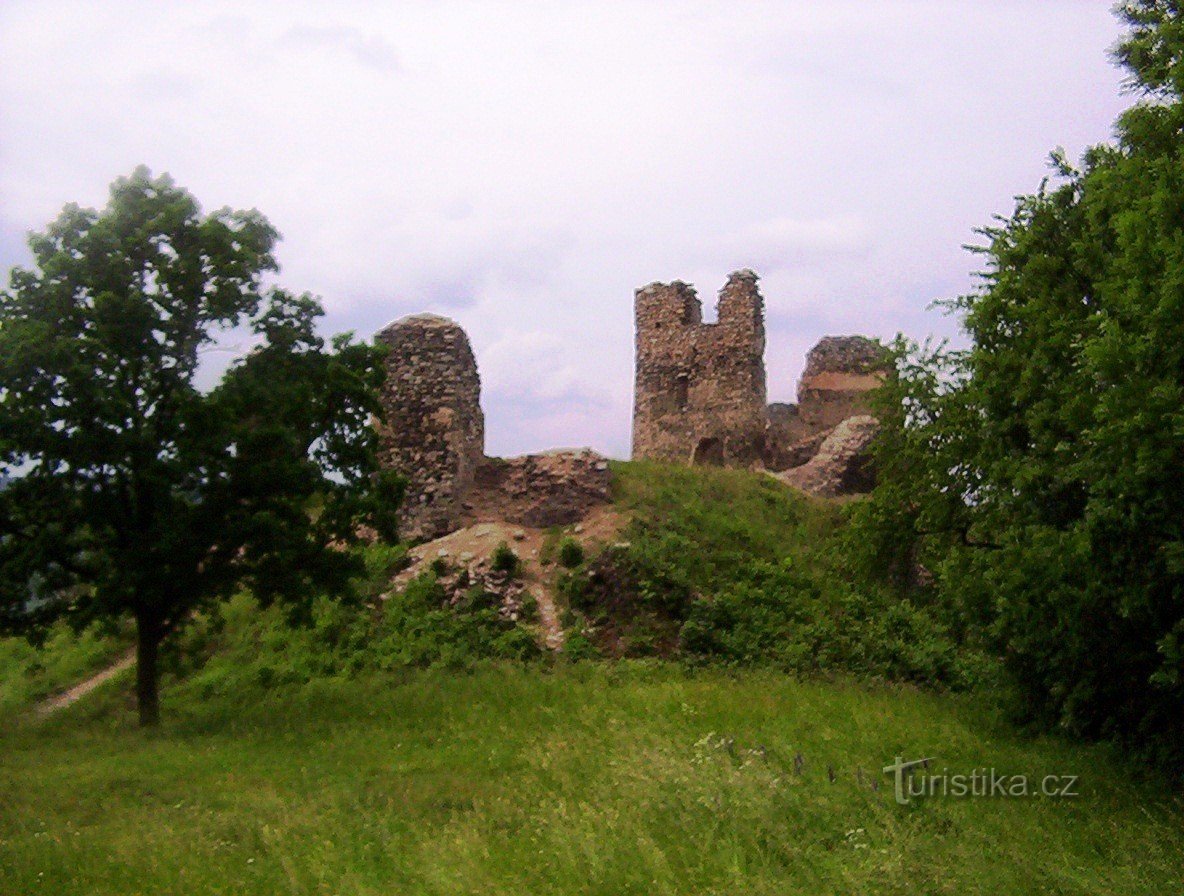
[
  {"x": 726, "y": 566},
  {"x": 741, "y": 661}
]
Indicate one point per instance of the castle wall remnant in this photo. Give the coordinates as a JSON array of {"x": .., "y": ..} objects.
[
  {"x": 840, "y": 372},
  {"x": 699, "y": 393},
  {"x": 434, "y": 434},
  {"x": 842, "y": 464},
  {"x": 700, "y": 389}
]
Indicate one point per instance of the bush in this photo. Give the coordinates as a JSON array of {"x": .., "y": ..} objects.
[
  {"x": 571, "y": 553},
  {"x": 803, "y": 623},
  {"x": 505, "y": 560}
]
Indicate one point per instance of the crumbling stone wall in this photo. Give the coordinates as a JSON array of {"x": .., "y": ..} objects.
[
  {"x": 435, "y": 432},
  {"x": 787, "y": 437},
  {"x": 840, "y": 372},
  {"x": 842, "y": 464},
  {"x": 699, "y": 394},
  {"x": 554, "y": 488}
]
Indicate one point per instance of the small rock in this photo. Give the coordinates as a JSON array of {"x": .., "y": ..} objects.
[{"x": 519, "y": 535}]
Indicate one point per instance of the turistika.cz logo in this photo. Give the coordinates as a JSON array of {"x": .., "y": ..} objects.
[{"x": 913, "y": 780}]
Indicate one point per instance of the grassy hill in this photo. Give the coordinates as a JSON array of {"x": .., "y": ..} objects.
[{"x": 735, "y": 743}]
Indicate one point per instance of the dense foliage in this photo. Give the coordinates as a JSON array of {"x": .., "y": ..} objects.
[
  {"x": 136, "y": 493},
  {"x": 1039, "y": 474},
  {"x": 732, "y": 567}
]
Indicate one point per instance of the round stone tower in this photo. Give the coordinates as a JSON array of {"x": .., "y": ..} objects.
[{"x": 434, "y": 434}]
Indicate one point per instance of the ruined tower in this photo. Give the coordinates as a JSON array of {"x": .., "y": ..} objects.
[
  {"x": 699, "y": 394},
  {"x": 841, "y": 373},
  {"x": 435, "y": 431}
]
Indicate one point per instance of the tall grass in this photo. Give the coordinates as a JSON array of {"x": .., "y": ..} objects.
[{"x": 592, "y": 779}]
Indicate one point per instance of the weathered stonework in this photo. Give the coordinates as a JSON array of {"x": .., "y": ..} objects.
[
  {"x": 843, "y": 465},
  {"x": 435, "y": 431},
  {"x": 554, "y": 488},
  {"x": 699, "y": 394},
  {"x": 434, "y": 436},
  {"x": 787, "y": 436},
  {"x": 840, "y": 372}
]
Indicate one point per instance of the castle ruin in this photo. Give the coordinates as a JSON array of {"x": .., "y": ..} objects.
[
  {"x": 434, "y": 437},
  {"x": 699, "y": 394},
  {"x": 434, "y": 434},
  {"x": 700, "y": 388},
  {"x": 699, "y": 398}
]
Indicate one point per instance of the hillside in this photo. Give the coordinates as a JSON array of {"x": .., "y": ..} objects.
[
  {"x": 719, "y": 722},
  {"x": 617, "y": 779}
]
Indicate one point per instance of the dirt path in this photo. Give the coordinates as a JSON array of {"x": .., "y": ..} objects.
[
  {"x": 548, "y": 612},
  {"x": 80, "y": 690}
]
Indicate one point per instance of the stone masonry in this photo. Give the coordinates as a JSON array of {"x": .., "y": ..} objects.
[
  {"x": 554, "y": 488},
  {"x": 699, "y": 395},
  {"x": 840, "y": 372},
  {"x": 435, "y": 431},
  {"x": 434, "y": 436}
]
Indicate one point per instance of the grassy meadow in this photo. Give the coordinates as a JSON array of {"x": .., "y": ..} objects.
[
  {"x": 726, "y": 733},
  {"x": 638, "y": 777}
]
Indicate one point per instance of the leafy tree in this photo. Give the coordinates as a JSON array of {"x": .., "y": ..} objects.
[
  {"x": 134, "y": 491},
  {"x": 1040, "y": 473}
]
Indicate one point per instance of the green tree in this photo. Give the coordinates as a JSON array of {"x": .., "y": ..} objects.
[
  {"x": 1040, "y": 473},
  {"x": 136, "y": 493}
]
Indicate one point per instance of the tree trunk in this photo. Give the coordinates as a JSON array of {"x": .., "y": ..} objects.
[{"x": 148, "y": 635}]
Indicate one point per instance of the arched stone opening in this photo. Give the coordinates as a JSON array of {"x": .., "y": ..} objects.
[{"x": 708, "y": 453}]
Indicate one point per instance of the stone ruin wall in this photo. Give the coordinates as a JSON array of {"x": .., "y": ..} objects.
[
  {"x": 699, "y": 398},
  {"x": 434, "y": 434},
  {"x": 840, "y": 372},
  {"x": 699, "y": 394}
]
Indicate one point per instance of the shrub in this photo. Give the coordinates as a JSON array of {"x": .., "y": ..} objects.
[
  {"x": 571, "y": 553},
  {"x": 811, "y": 623},
  {"x": 505, "y": 560}
]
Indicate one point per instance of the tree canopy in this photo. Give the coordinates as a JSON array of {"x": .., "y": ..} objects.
[
  {"x": 136, "y": 493},
  {"x": 1039, "y": 474}
]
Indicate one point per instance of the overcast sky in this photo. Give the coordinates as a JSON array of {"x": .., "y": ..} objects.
[{"x": 522, "y": 168}]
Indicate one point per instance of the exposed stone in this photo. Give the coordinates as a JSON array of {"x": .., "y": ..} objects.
[
  {"x": 842, "y": 465},
  {"x": 785, "y": 436},
  {"x": 434, "y": 433},
  {"x": 840, "y": 372},
  {"x": 540, "y": 490},
  {"x": 802, "y": 450},
  {"x": 699, "y": 394}
]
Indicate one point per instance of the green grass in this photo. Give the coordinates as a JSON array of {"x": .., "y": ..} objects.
[
  {"x": 396, "y": 748},
  {"x": 592, "y": 779},
  {"x": 29, "y": 674},
  {"x": 713, "y": 524},
  {"x": 734, "y": 567}
]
